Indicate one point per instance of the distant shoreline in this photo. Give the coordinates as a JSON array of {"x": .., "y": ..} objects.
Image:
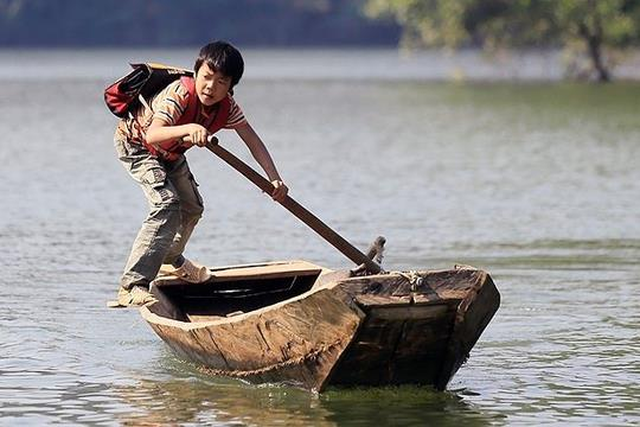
[{"x": 318, "y": 63}]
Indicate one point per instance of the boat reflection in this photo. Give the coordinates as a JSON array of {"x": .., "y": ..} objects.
[{"x": 188, "y": 396}]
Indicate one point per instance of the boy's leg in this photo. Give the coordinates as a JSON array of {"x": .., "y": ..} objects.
[
  {"x": 159, "y": 228},
  {"x": 191, "y": 208}
]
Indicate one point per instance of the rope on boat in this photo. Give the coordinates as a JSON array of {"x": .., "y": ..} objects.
[{"x": 414, "y": 278}]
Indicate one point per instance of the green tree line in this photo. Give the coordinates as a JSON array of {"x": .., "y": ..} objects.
[{"x": 598, "y": 30}]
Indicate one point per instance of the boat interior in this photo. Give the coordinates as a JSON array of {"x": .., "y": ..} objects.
[{"x": 233, "y": 290}]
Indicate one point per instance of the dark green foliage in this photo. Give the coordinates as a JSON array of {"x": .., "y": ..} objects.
[{"x": 595, "y": 29}]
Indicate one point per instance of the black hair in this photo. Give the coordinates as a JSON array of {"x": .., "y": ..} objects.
[{"x": 222, "y": 57}]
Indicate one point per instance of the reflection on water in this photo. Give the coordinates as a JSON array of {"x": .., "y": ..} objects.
[
  {"x": 536, "y": 183},
  {"x": 214, "y": 402},
  {"x": 409, "y": 406},
  {"x": 196, "y": 399}
]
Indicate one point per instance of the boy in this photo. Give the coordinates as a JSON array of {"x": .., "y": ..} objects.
[{"x": 150, "y": 145}]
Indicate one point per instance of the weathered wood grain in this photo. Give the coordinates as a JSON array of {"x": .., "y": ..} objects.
[
  {"x": 473, "y": 315},
  {"x": 397, "y": 328}
]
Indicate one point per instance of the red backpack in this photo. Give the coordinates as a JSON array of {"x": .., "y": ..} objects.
[{"x": 144, "y": 81}]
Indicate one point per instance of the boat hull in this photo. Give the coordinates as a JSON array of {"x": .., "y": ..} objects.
[{"x": 387, "y": 329}]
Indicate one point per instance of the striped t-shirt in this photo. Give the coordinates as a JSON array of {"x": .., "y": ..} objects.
[{"x": 169, "y": 105}]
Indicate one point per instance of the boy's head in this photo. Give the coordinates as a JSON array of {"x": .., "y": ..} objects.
[
  {"x": 222, "y": 58},
  {"x": 218, "y": 69}
]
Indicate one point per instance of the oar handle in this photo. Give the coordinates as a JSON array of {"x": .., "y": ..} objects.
[{"x": 337, "y": 241}]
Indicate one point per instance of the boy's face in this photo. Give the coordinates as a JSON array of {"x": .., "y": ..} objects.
[{"x": 211, "y": 86}]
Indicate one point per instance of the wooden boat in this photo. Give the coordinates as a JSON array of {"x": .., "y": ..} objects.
[{"x": 299, "y": 323}]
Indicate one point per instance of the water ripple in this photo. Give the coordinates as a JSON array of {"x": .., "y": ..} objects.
[{"x": 541, "y": 194}]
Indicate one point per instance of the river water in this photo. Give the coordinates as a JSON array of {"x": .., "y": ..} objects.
[{"x": 538, "y": 183}]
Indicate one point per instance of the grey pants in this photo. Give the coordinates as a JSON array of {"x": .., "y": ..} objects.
[{"x": 175, "y": 206}]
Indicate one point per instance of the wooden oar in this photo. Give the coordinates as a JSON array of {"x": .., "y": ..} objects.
[{"x": 295, "y": 208}]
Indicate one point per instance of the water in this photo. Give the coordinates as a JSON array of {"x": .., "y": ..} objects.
[{"x": 537, "y": 183}]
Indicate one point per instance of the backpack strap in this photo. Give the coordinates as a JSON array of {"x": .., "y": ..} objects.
[{"x": 189, "y": 115}]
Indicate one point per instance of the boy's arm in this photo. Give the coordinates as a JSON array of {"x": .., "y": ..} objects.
[
  {"x": 262, "y": 156},
  {"x": 160, "y": 132}
]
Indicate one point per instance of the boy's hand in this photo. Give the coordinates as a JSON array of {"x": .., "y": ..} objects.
[
  {"x": 280, "y": 191},
  {"x": 197, "y": 135}
]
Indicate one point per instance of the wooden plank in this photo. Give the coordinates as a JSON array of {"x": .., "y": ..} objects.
[
  {"x": 409, "y": 312},
  {"x": 396, "y": 351},
  {"x": 255, "y": 272},
  {"x": 420, "y": 351},
  {"x": 268, "y": 271},
  {"x": 452, "y": 283},
  {"x": 264, "y": 264},
  {"x": 204, "y": 317},
  {"x": 367, "y": 301},
  {"x": 365, "y": 360},
  {"x": 182, "y": 343},
  {"x": 474, "y": 314},
  {"x": 270, "y": 342},
  {"x": 381, "y": 286},
  {"x": 290, "y": 331}
]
